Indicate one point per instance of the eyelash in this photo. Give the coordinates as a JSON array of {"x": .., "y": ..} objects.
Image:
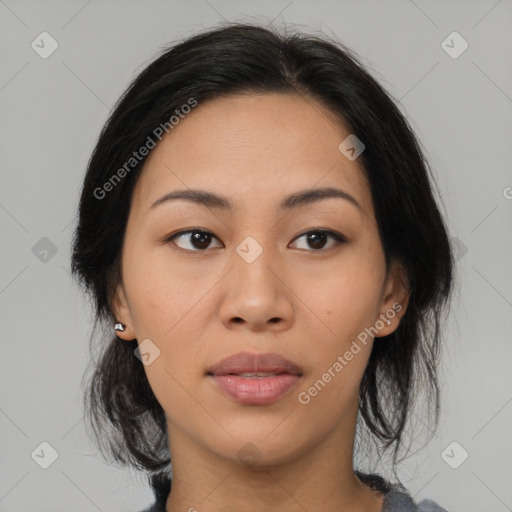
[{"x": 337, "y": 237}]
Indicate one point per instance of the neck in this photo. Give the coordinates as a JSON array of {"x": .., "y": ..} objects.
[{"x": 320, "y": 479}]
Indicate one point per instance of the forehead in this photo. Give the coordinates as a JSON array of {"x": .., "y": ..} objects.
[{"x": 239, "y": 145}]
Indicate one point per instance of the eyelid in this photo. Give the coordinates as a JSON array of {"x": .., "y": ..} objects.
[
  {"x": 338, "y": 237},
  {"x": 172, "y": 236},
  {"x": 335, "y": 235}
]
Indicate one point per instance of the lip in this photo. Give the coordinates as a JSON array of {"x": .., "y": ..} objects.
[
  {"x": 255, "y": 390},
  {"x": 246, "y": 362}
]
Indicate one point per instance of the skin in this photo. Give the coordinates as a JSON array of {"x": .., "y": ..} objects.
[{"x": 303, "y": 301}]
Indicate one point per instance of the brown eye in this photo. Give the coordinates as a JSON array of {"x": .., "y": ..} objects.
[
  {"x": 317, "y": 239},
  {"x": 197, "y": 239}
]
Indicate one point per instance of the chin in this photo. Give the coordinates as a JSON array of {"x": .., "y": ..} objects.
[{"x": 260, "y": 450}]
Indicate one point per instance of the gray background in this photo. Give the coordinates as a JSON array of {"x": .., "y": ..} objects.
[{"x": 52, "y": 111}]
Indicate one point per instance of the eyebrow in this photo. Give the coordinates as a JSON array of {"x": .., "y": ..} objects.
[{"x": 300, "y": 198}]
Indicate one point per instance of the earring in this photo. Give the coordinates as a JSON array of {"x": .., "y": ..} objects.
[
  {"x": 119, "y": 327},
  {"x": 388, "y": 322}
]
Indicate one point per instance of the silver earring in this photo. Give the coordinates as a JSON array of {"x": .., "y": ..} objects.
[
  {"x": 388, "y": 322},
  {"x": 119, "y": 327}
]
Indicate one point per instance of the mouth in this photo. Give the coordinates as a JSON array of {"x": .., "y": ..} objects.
[
  {"x": 255, "y": 379},
  {"x": 252, "y": 375}
]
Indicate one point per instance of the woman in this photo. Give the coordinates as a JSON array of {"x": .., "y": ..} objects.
[{"x": 258, "y": 225}]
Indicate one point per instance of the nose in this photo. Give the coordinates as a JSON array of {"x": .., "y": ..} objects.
[{"x": 257, "y": 297}]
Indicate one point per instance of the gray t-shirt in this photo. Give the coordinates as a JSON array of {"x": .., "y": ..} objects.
[
  {"x": 397, "y": 498},
  {"x": 397, "y": 501}
]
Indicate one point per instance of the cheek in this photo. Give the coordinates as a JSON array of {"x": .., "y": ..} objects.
[
  {"x": 160, "y": 294},
  {"x": 165, "y": 307},
  {"x": 339, "y": 356},
  {"x": 345, "y": 296},
  {"x": 346, "y": 300}
]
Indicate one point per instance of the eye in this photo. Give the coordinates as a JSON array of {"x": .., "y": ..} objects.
[
  {"x": 199, "y": 241},
  {"x": 317, "y": 239}
]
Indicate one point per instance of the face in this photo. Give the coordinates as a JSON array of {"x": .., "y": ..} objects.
[{"x": 256, "y": 272}]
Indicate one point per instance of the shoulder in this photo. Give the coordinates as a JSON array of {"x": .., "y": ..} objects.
[
  {"x": 158, "y": 507},
  {"x": 401, "y": 501},
  {"x": 159, "y": 504},
  {"x": 396, "y": 496},
  {"x": 161, "y": 484},
  {"x": 430, "y": 506}
]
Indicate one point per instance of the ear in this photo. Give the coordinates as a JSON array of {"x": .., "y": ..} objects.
[
  {"x": 395, "y": 300},
  {"x": 121, "y": 310}
]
